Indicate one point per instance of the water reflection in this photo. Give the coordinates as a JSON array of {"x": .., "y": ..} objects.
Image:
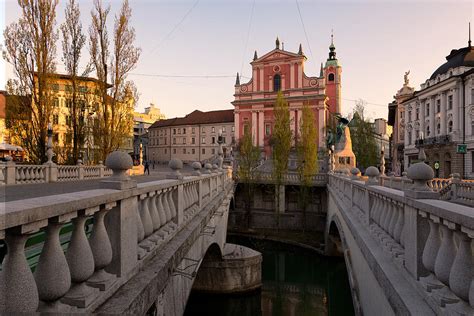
[{"x": 295, "y": 282}]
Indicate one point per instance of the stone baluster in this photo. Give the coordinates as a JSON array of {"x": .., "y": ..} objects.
[
  {"x": 166, "y": 206},
  {"x": 161, "y": 211},
  {"x": 101, "y": 250},
  {"x": 393, "y": 219},
  {"x": 399, "y": 225},
  {"x": 138, "y": 219},
  {"x": 155, "y": 218},
  {"x": 171, "y": 204},
  {"x": 145, "y": 215},
  {"x": 462, "y": 270},
  {"x": 433, "y": 243},
  {"x": 185, "y": 197},
  {"x": 446, "y": 253},
  {"x": 18, "y": 291},
  {"x": 81, "y": 264},
  {"x": 52, "y": 274}
]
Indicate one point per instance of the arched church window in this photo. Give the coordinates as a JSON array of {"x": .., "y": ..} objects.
[
  {"x": 277, "y": 83},
  {"x": 331, "y": 77}
]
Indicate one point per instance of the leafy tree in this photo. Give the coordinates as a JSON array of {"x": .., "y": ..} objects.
[
  {"x": 363, "y": 139},
  {"x": 30, "y": 47},
  {"x": 249, "y": 156},
  {"x": 72, "y": 43},
  {"x": 281, "y": 138},
  {"x": 110, "y": 132}
]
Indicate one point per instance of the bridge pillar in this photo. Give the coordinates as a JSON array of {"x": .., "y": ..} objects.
[{"x": 280, "y": 198}]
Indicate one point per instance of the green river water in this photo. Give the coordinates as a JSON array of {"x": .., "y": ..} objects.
[{"x": 296, "y": 282}]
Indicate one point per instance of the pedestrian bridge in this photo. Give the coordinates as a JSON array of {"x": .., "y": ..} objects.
[
  {"x": 126, "y": 248},
  {"x": 408, "y": 252},
  {"x": 129, "y": 248}
]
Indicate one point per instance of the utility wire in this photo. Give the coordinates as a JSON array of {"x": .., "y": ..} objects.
[
  {"x": 377, "y": 104},
  {"x": 175, "y": 27},
  {"x": 248, "y": 36},
  {"x": 304, "y": 29},
  {"x": 184, "y": 76}
]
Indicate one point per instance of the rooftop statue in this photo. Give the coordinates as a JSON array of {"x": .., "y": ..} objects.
[{"x": 405, "y": 77}]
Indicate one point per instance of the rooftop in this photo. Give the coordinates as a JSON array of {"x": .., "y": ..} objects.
[
  {"x": 457, "y": 58},
  {"x": 198, "y": 117}
]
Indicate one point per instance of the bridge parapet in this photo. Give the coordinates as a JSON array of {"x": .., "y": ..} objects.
[
  {"x": 428, "y": 239},
  {"x": 109, "y": 236}
]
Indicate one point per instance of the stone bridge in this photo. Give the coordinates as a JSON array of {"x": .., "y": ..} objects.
[
  {"x": 407, "y": 251},
  {"x": 125, "y": 248}
]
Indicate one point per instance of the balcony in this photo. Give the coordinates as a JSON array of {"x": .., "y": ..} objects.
[{"x": 438, "y": 140}]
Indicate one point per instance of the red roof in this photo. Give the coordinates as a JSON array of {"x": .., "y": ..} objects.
[{"x": 198, "y": 117}]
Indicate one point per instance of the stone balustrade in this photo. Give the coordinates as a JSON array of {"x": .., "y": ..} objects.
[
  {"x": 127, "y": 224},
  {"x": 431, "y": 240},
  {"x": 11, "y": 173},
  {"x": 319, "y": 179}
]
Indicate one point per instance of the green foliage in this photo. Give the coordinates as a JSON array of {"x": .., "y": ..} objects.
[
  {"x": 307, "y": 147},
  {"x": 363, "y": 139},
  {"x": 281, "y": 138},
  {"x": 249, "y": 155}
]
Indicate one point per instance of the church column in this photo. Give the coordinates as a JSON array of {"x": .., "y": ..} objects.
[
  {"x": 236, "y": 126},
  {"x": 300, "y": 76},
  {"x": 421, "y": 116},
  {"x": 292, "y": 76},
  {"x": 261, "y": 80},
  {"x": 261, "y": 128},
  {"x": 254, "y": 128},
  {"x": 443, "y": 114},
  {"x": 254, "y": 80}
]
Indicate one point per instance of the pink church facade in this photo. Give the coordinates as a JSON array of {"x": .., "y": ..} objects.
[{"x": 283, "y": 70}]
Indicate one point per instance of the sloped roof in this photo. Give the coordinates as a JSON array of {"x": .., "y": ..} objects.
[
  {"x": 457, "y": 58},
  {"x": 198, "y": 117}
]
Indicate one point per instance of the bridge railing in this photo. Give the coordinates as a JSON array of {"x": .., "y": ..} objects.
[
  {"x": 292, "y": 178},
  {"x": 83, "y": 246},
  {"x": 429, "y": 238}
]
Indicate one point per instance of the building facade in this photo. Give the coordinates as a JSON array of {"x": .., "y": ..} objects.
[
  {"x": 440, "y": 117},
  {"x": 191, "y": 138},
  {"x": 281, "y": 70},
  {"x": 141, "y": 123}
]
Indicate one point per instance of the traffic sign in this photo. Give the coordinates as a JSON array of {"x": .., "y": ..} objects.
[{"x": 461, "y": 149}]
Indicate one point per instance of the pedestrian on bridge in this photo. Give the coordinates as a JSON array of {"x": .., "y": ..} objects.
[{"x": 147, "y": 167}]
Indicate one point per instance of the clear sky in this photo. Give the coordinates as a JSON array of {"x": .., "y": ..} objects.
[{"x": 376, "y": 42}]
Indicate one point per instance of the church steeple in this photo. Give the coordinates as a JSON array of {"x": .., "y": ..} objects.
[
  {"x": 277, "y": 43},
  {"x": 332, "y": 49},
  {"x": 237, "y": 80},
  {"x": 300, "y": 50},
  {"x": 255, "y": 56},
  {"x": 321, "y": 72}
]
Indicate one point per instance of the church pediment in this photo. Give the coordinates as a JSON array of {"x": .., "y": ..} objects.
[{"x": 277, "y": 54}]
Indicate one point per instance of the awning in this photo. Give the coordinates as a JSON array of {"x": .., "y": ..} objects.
[{"x": 5, "y": 146}]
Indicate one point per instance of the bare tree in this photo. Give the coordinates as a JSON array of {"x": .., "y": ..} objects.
[
  {"x": 115, "y": 106},
  {"x": 73, "y": 41},
  {"x": 30, "y": 46}
]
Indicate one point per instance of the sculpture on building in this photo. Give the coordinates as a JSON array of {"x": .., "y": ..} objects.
[{"x": 405, "y": 77}]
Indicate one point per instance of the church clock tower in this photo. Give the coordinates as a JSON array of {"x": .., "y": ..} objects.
[{"x": 332, "y": 75}]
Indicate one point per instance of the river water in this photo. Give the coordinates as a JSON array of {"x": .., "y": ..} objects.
[{"x": 296, "y": 282}]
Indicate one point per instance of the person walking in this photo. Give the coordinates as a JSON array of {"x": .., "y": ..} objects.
[{"x": 147, "y": 167}]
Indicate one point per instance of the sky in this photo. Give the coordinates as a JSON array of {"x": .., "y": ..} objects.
[{"x": 191, "y": 50}]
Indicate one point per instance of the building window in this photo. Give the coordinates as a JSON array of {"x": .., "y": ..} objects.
[
  {"x": 192, "y": 130},
  {"x": 223, "y": 139},
  {"x": 472, "y": 127},
  {"x": 427, "y": 109},
  {"x": 184, "y": 130},
  {"x": 417, "y": 114},
  {"x": 409, "y": 116},
  {"x": 213, "y": 130},
  {"x": 267, "y": 129},
  {"x": 68, "y": 120},
  {"x": 55, "y": 119},
  {"x": 56, "y": 102},
  {"x": 203, "y": 130},
  {"x": 331, "y": 77},
  {"x": 174, "y": 151},
  {"x": 203, "y": 140},
  {"x": 179, "y": 131},
  {"x": 438, "y": 128},
  {"x": 276, "y": 82},
  {"x": 165, "y": 140},
  {"x": 174, "y": 141},
  {"x": 174, "y": 131},
  {"x": 223, "y": 129},
  {"x": 68, "y": 103},
  {"x": 438, "y": 106},
  {"x": 184, "y": 150},
  {"x": 450, "y": 102},
  {"x": 409, "y": 138},
  {"x": 193, "y": 151},
  {"x": 213, "y": 151},
  {"x": 233, "y": 128},
  {"x": 213, "y": 140},
  {"x": 193, "y": 140},
  {"x": 184, "y": 140},
  {"x": 450, "y": 126},
  {"x": 203, "y": 151}
]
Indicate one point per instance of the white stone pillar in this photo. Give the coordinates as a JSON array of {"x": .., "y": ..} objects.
[
  {"x": 236, "y": 126},
  {"x": 261, "y": 80},
  {"x": 422, "y": 118},
  {"x": 292, "y": 76},
  {"x": 261, "y": 127},
  {"x": 283, "y": 82},
  {"x": 432, "y": 117},
  {"x": 443, "y": 114},
  {"x": 456, "y": 123},
  {"x": 254, "y": 127}
]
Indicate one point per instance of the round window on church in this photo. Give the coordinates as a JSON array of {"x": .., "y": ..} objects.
[{"x": 276, "y": 68}]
